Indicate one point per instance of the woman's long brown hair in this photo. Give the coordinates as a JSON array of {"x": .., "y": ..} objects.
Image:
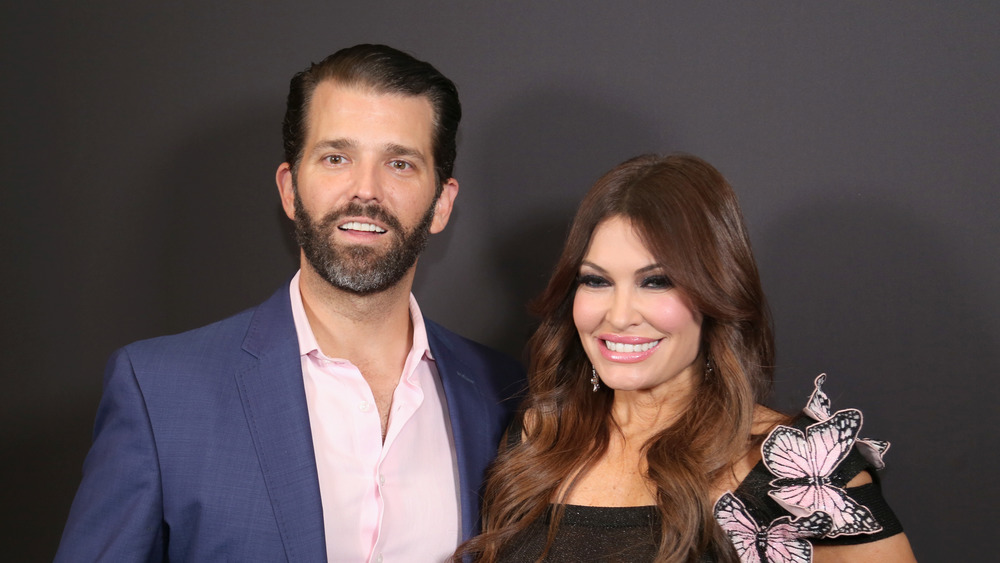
[{"x": 689, "y": 219}]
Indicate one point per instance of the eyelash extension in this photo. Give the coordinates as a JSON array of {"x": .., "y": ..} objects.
[
  {"x": 660, "y": 280},
  {"x": 590, "y": 279}
]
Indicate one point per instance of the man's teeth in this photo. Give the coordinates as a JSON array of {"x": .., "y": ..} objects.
[
  {"x": 619, "y": 347},
  {"x": 356, "y": 226}
]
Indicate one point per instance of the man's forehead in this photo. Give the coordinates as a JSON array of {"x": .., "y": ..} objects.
[
  {"x": 333, "y": 99},
  {"x": 333, "y": 88}
]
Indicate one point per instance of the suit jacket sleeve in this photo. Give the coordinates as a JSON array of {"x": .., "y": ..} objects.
[{"x": 117, "y": 512}]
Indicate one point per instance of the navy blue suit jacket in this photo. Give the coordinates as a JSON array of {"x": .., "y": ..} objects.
[{"x": 203, "y": 452}]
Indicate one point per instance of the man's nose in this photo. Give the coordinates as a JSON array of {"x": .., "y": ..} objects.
[{"x": 368, "y": 183}]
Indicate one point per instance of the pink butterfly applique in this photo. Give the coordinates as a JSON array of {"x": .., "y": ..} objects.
[
  {"x": 819, "y": 408},
  {"x": 803, "y": 463},
  {"x": 782, "y": 541}
]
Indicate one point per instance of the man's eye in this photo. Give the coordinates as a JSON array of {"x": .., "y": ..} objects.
[
  {"x": 400, "y": 165},
  {"x": 590, "y": 280},
  {"x": 657, "y": 282},
  {"x": 335, "y": 159}
]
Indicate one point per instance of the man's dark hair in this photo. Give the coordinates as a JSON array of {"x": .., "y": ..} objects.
[{"x": 386, "y": 71}]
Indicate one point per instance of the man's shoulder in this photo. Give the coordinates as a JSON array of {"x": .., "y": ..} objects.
[
  {"x": 222, "y": 337},
  {"x": 449, "y": 346},
  {"x": 231, "y": 328},
  {"x": 461, "y": 346}
]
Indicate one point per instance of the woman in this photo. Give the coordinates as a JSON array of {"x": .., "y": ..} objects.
[{"x": 645, "y": 414}]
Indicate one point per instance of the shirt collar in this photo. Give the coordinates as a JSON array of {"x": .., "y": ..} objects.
[{"x": 307, "y": 339}]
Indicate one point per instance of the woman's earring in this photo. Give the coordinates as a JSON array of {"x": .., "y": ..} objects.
[
  {"x": 708, "y": 367},
  {"x": 594, "y": 380}
]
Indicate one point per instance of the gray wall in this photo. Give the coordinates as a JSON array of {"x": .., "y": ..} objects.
[{"x": 140, "y": 144}]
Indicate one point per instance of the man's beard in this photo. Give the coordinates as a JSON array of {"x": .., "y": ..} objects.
[{"x": 360, "y": 269}]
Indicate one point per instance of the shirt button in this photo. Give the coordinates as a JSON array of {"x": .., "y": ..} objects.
[
  {"x": 379, "y": 558},
  {"x": 381, "y": 479},
  {"x": 363, "y": 406}
]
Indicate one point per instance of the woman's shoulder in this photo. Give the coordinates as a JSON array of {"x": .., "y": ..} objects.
[
  {"x": 817, "y": 436},
  {"x": 813, "y": 474},
  {"x": 765, "y": 419}
]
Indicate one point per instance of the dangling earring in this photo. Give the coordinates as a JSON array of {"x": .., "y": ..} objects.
[
  {"x": 594, "y": 380},
  {"x": 708, "y": 367}
]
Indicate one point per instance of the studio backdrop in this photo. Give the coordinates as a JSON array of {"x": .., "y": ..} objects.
[{"x": 140, "y": 145}]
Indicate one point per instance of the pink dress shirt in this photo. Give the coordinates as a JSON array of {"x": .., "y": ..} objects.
[{"x": 389, "y": 502}]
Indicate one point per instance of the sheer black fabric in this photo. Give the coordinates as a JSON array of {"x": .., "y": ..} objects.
[{"x": 591, "y": 533}]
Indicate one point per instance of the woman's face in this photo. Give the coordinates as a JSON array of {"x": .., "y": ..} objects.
[{"x": 636, "y": 328}]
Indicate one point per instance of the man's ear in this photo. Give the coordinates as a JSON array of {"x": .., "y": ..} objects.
[
  {"x": 443, "y": 207},
  {"x": 286, "y": 189}
]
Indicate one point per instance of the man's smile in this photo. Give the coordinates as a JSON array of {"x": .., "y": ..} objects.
[{"x": 364, "y": 227}]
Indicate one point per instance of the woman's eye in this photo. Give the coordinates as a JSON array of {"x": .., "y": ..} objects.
[
  {"x": 657, "y": 282},
  {"x": 590, "y": 280}
]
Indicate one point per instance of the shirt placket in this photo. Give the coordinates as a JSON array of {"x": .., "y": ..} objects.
[{"x": 405, "y": 401}]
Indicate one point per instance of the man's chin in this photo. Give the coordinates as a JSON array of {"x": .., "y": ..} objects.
[
  {"x": 359, "y": 285},
  {"x": 357, "y": 262},
  {"x": 360, "y": 275}
]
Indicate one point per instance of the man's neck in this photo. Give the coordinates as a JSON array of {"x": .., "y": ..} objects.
[{"x": 371, "y": 331}]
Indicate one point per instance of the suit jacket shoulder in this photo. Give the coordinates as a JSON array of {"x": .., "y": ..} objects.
[
  {"x": 501, "y": 375},
  {"x": 202, "y": 431}
]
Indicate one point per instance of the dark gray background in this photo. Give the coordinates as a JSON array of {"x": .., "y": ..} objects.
[{"x": 140, "y": 144}]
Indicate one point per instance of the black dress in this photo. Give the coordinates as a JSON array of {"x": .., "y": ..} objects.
[{"x": 591, "y": 533}]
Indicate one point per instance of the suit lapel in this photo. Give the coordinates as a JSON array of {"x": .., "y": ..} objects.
[
  {"x": 467, "y": 410},
  {"x": 275, "y": 406}
]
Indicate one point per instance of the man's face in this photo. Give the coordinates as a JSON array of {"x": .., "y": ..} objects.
[{"x": 365, "y": 197}]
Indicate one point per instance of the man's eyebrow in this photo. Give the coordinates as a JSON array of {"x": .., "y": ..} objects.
[
  {"x": 393, "y": 149},
  {"x": 334, "y": 144},
  {"x": 390, "y": 149}
]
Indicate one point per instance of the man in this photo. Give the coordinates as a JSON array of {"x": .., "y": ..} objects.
[{"x": 333, "y": 420}]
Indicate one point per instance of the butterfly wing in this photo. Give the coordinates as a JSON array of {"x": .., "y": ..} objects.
[
  {"x": 873, "y": 450},
  {"x": 786, "y": 453},
  {"x": 849, "y": 517},
  {"x": 785, "y": 537},
  {"x": 831, "y": 440},
  {"x": 803, "y": 462},
  {"x": 818, "y": 407},
  {"x": 733, "y": 518}
]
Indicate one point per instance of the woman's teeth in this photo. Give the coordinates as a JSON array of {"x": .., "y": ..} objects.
[{"x": 619, "y": 347}]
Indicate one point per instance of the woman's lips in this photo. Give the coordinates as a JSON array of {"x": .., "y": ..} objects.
[{"x": 627, "y": 349}]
